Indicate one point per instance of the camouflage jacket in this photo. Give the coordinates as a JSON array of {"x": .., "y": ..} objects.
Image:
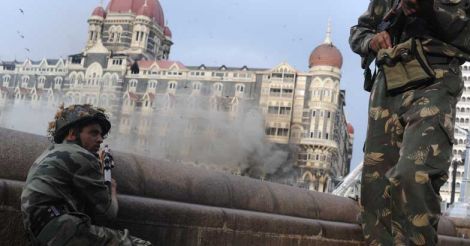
[
  {"x": 66, "y": 175},
  {"x": 368, "y": 23}
]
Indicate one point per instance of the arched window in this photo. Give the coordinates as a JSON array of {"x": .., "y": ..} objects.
[
  {"x": 133, "y": 85},
  {"x": 172, "y": 85},
  {"x": 196, "y": 86},
  {"x": 41, "y": 82},
  {"x": 114, "y": 79},
  {"x": 239, "y": 89},
  {"x": 218, "y": 87},
  {"x": 152, "y": 84},
  {"x": 24, "y": 81},
  {"x": 6, "y": 80},
  {"x": 58, "y": 82}
]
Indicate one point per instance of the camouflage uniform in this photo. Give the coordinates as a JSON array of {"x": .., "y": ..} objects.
[
  {"x": 64, "y": 190},
  {"x": 408, "y": 145}
]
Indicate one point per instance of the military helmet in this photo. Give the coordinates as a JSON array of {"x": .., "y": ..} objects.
[{"x": 68, "y": 117}]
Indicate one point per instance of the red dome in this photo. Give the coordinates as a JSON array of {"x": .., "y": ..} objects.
[
  {"x": 145, "y": 10},
  {"x": 154, "y": 11},
  {"x": 167, "y": 31},
  {"x": 99, "y": 11},
  {"x": 326, "y": 55},
  {"x": 350, "y": 129}
]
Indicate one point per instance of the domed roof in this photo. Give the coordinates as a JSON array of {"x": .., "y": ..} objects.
[
  {"x": 154, "y": 11},
  {"x": 326, "y": 54},
  {"x": 350, "y": 129},
  {"x": 99, "y": 11},
  {"x": 167, "y": 32},
  {"x": 145, "y": 10}
]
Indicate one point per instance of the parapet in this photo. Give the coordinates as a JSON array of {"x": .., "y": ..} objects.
[{"x": 173, "y": 204}]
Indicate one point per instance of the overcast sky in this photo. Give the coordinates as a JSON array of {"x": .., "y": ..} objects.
[{"x": 256, "y": 33}]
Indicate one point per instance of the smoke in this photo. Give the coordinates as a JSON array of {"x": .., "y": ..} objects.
[
  {"x": 193, "y": 130},
  {"x": 184, "y": 130},
  {"x": 24, "y": 117}
]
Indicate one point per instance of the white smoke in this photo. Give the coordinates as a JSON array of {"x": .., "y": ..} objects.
[
  {"x": 195, "y": 133},
  {"x": 26, "y": 118},
  {"x": 189, "y": 132}
]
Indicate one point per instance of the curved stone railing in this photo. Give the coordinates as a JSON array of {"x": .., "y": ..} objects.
[{"x": 184, "y": 205}]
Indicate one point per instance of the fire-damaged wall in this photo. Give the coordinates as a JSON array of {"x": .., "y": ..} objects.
[{"x": 183, "y": 205}]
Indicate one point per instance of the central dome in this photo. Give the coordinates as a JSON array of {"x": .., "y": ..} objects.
[{"x": 153, "y": 10}]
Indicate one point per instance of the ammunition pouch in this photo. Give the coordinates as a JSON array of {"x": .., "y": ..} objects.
[
  {"x": 43, "y": 217},
  {"x": 405, "y": 66}
]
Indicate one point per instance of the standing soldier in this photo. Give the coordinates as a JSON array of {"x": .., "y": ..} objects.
[
  {"x": 411, "y": 114},
  {"x": 65, "y": 188}
]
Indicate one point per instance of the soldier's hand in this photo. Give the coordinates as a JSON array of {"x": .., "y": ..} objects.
[
  {"x": 101, "y": 158},
  {"x": 409, "y": 7},
  {"x": 381, "y": 40}
]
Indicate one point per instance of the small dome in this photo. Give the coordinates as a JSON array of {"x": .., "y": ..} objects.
[
  {"x": 167, "y": 32},
  {"x": 350, "y": 129},
  {"x": 99, "y": 11},
  {"x": 326, "y": 55}
]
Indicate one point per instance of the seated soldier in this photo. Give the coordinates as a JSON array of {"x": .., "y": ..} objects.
[{"x": 65, "y": 187}]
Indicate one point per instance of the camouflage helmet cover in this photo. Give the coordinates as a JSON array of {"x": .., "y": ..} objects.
[{"x": 68, "y": 117}]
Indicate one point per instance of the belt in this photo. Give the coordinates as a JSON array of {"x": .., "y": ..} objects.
[
  {"x": 443, "y": 60},
  {"x": 44, "y": 216}
]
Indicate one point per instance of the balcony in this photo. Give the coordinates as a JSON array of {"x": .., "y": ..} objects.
[{"x": 316, "y": 141}]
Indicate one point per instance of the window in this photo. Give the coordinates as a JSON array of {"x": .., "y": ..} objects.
[
  {"x": 274, "y": 92},
  {"x": 133, "y": 84},
  {"x": 285, "y": 110},
  {"x": 6, "y": 80},
  {"x": 287, "y": 91},
  {"x": 271, "y": 131},
  {"x": 172, "y": 85},
  {"x": 282, "y": 132},
  {"x": 41, "y": 82},
  {"x": 196, "y": 86},
  {"x": 273, "y": 110},
  {"x": 218, "y": 87},
  {"x": 24, "y": 81},
  {"x": 152, "y": 84},
  {"x": 240, "y": 88}
]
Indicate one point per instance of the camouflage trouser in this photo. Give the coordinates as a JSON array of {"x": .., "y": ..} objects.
[
  {"x": 76, "y": 229},
  {"x": 407, "y": 156}
]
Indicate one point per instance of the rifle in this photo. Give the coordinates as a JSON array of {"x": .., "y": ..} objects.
[{"x": 108, "y": 163}]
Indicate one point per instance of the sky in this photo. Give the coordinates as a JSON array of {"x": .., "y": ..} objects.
[{"x": 255, "y": 33}]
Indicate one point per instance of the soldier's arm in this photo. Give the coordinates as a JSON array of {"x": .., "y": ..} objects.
[
  {"x": 365, "y": 31},
  {"x": 90, "y": 184}
]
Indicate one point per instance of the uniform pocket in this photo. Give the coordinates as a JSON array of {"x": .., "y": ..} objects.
[{"x": 60, "y": 230}]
